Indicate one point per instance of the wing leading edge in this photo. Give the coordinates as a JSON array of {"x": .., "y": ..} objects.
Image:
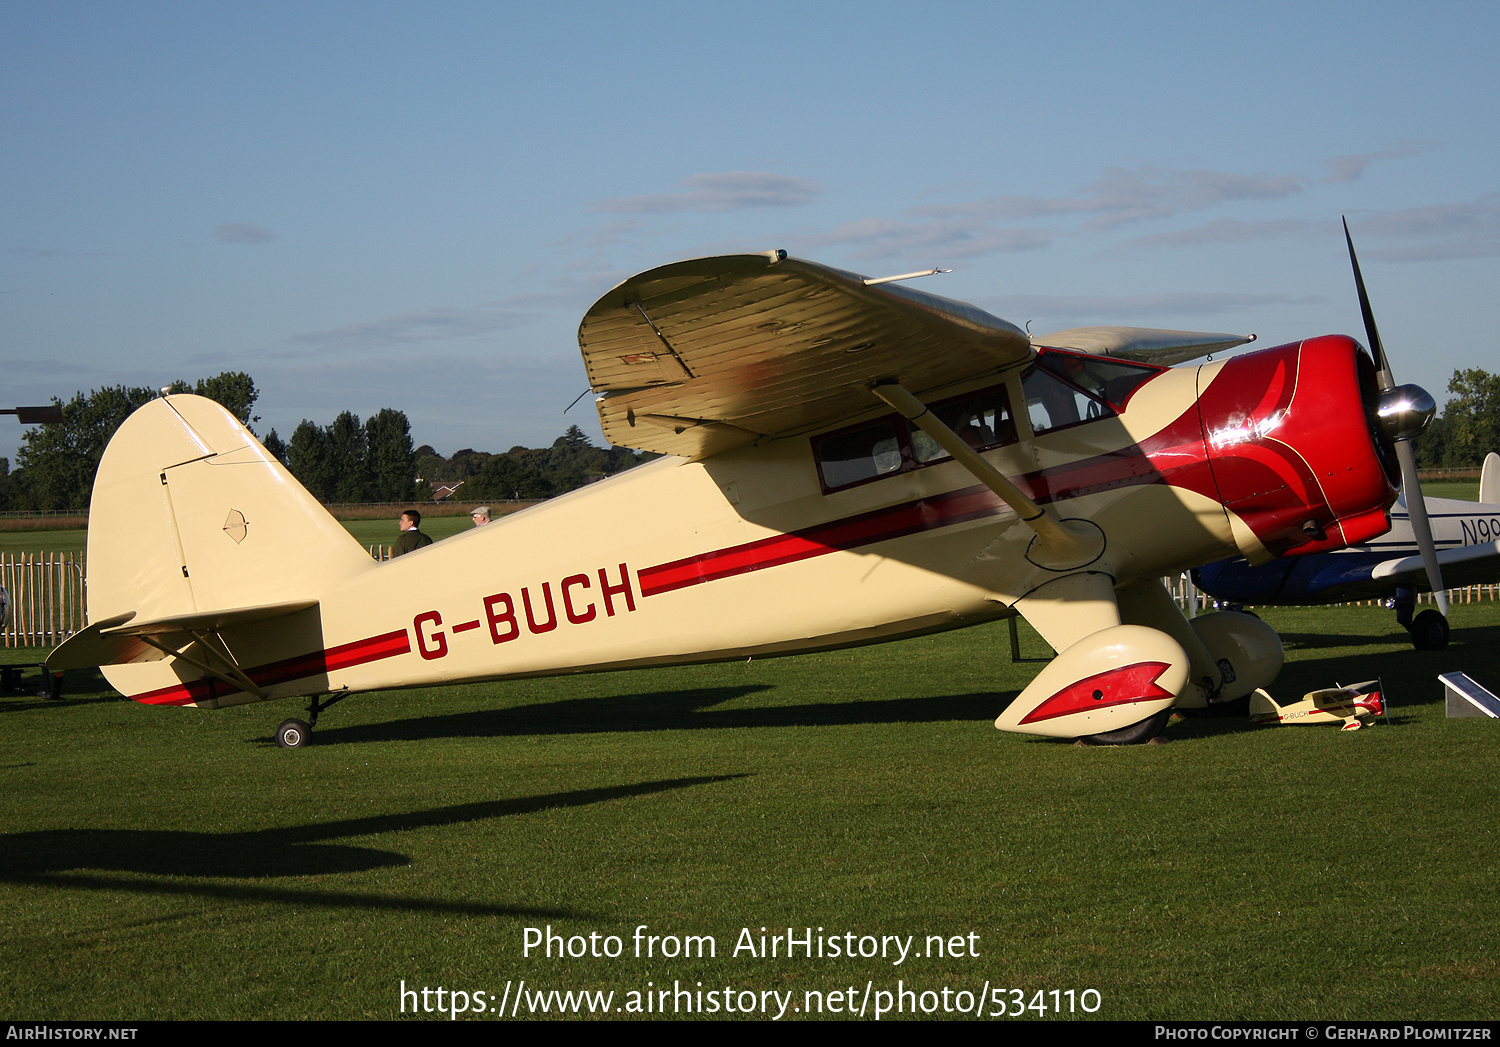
[{"x": 701, "y": 356}]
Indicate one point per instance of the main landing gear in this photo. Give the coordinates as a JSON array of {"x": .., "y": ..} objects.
[
  {"x": 1429, "y": 630},
  {"x": 294, "y": 733}
]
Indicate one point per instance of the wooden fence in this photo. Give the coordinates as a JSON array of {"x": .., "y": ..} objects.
[{"x": 46, "y": 597}]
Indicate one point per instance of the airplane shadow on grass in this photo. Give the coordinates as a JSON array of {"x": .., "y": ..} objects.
[
  {"x": 1459, "y": 638},
  {"x": 1404, "y": 672},
  {"x": 74, "y": 857},
  {"x": 685, "y": 710},
  {"x": 1409, "y": 677}
]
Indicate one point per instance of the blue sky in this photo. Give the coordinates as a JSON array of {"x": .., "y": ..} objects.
[{"x": 399, "y": 205}]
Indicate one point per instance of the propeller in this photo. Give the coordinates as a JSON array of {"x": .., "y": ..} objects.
[{"x": 1404, "y": 411}]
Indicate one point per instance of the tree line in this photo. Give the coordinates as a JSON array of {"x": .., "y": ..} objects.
[
  {"x": 344, "y": 461},
  {"x": 524, "y": 472},
  {"x": 350, "y": 461}
]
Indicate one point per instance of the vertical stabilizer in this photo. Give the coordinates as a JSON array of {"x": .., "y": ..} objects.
[
  {"x": 1489, "y": 480},
  {"x": 190, "y": 514}
]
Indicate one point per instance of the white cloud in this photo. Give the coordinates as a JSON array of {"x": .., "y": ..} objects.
[
  {"x": 721, "y": 191},
  {"x": 887, "y": 238},
  {"x": 427, "y": 325},
  {"x": 31, "y": 365},
  {"x": 1223, "y": 231},
  {"x": 1462, "y": 229},
  {"x": 1349, "y": 168},
  {"x": 1123, "y": 195}
]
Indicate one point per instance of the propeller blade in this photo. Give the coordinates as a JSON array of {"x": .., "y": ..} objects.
[
  {"x": 1382, "y": 368},
  {"x": 1421, "y": 528},
  {"x": 1411, "y": 485}
]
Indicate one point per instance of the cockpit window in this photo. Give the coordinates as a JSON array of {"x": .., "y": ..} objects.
[
  {"x": 892, "y": 444},
  {"x": 983, "y": 420},
  {"x": 1065, "y": 389},
  {"x": 1111, "y": 381},
  {"x": 861, "y": 454}
]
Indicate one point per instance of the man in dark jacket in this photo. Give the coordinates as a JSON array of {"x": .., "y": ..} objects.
[{"x": 411, "y": 539}]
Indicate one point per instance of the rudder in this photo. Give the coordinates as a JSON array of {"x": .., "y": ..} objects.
[{"x": 190, "y": 514}]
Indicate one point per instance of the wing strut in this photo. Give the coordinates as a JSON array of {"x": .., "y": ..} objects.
[{"x": 1061, "y": 544}]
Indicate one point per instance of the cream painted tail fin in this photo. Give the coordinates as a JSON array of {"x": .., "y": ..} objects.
[
  {"x": 206, "y": 559},
  {"x": 190, "y": 514},
  {"x": 194, "y": 527},
  {"x": 1489, "y": 479}
]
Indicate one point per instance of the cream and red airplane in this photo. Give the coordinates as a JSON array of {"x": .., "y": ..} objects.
[
  {"x": 1352, "y": 707},
  {"x": 849, "y": 461}
]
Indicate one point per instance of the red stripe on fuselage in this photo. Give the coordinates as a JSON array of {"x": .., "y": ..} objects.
[
  {"x": 371, "y": 649},
  {"x": 1174, "y": 455}
]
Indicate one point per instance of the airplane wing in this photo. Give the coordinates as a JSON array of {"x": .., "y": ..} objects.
[
  {"x": 701, "y": 356},
  {"x": 1466, "y": 565},
  {"x": 1349, "y": 575},
  {"x": 1145, "y": 344}
]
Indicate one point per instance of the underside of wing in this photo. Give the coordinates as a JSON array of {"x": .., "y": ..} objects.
[
  {"x": 1467, "y": 565},
  {"x": 701, "y": 356},
  {"x": 120, "y": 640},
  {"x": 1145, "y": 344}
]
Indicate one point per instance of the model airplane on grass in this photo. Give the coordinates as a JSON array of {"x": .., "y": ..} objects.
[
  {"x": 849, "y": 461},
  {"x": 1351, "y": 707},
  {"x": 1465, "y": 534}
]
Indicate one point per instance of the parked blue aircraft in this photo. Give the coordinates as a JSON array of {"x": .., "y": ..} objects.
[{"x": 1466, "y": 536}]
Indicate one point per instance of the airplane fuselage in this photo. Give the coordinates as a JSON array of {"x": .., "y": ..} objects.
[{"x": 834, "y": 538}]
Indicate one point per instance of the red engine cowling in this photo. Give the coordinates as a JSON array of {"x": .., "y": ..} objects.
[{"x": 1295, "y": 447}]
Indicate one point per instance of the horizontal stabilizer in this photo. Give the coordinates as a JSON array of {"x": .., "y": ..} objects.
[
  {"x": 207, "y": 620},
  {"x": 116, "y": 640},
  {"x": 1145, "y": 344},
  {"x": 90, "y": 648}
]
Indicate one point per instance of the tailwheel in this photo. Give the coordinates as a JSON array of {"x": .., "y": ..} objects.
[
  {"x": 1429, "y": 631},
  {"x": 294, "y": 734},
  {"x": 1136, "y": 734}
]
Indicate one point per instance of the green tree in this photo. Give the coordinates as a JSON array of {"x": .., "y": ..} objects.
[
  {"x": 346, "y": 458},
  {"x": 275, "y": 446},
  {"x": 307, "y": 458},
  {"x": 1471, "y": 419},
  {"x": 58, "y": 460},
  {"x": 234, "y": 391},
  {"x": 389, "y": 458},
  {"x": 506, "y": 476}
]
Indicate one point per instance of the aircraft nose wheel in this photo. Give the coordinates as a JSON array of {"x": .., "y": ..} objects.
[
  {"x": 294, "y": 734},
  {"x": 1429, "y": 631}
]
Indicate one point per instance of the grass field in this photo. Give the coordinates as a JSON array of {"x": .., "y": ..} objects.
[{"x": 168, "y": 863}]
